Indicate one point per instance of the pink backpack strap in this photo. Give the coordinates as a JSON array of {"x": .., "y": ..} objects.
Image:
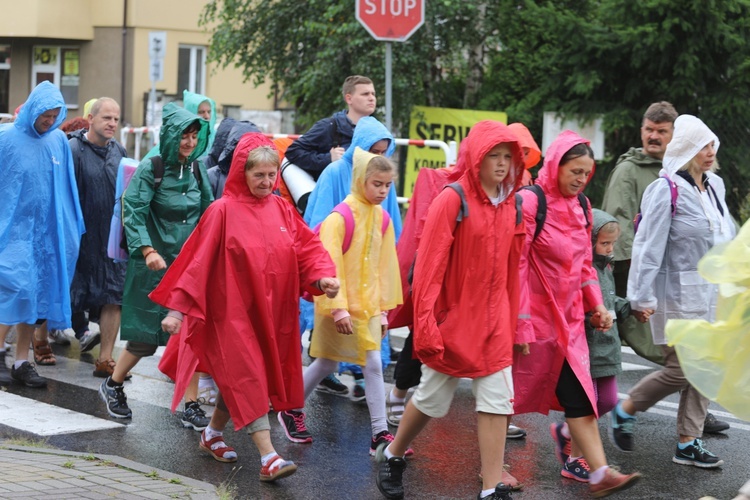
[
  {"x": 346, "y": 212},
  {"x": 386, "y": 222}
]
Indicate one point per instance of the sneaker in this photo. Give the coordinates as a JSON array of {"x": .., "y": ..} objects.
[
  {"x": 384, "y": 437},
  {"x": 58, "y": 337},
  {"x": 217, "y": 448},
  {"x": 713, "y": 425},
  {"x": 621, "y": 430},
  {"x": 89, "y": 341},
  {"x": 394, "y": 411},
  {"x": 332, "y": 385},
  {"x": 578, "y": 469},
  {"x": 502, "y": 492},
  {"x": 194, "y": 416},
  {"x": 390, "y": 474},
  {"x": 515, "y": 432},
  {"x": 26, "y": 374},
  {"x": 277, "y": 468},
  {"x": 612, "y": 482},
  {"x": 115, "y": 399},
  {"x": 358, "y": 391},
  {"x": 5, "y": 377},
  {"x": 695, "y": 454},
  {"x": 293, "y": 423},
  {"x": 562, "y": 444}
]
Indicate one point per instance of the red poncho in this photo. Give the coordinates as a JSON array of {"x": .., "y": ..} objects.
[{"x": 237, "y": 280}]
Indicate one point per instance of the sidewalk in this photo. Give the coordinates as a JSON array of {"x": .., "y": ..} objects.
[{"x": 41, "y": 473}]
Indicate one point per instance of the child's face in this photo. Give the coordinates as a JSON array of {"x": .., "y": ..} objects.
[
  {"x": 496, "y": 165},
  {"x": 605, "y": 242},
  {"x": 377, "y": 186}
]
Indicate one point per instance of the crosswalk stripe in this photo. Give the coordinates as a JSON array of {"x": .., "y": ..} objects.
[{"x": 44, "y": 419}]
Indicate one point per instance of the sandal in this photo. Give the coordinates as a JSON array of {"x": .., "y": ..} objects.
[
  {"x": 106, "y": 368},
  {"x": 43, "y": 354}
]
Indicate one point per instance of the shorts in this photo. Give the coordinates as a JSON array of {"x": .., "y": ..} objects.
[
  {"x": 493, "y": 393},
  {"x": 140, "y": 349}
]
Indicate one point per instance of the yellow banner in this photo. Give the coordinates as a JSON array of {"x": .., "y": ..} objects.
[{"x": 442, "y": 124}]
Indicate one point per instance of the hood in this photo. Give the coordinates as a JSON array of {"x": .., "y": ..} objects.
[
  {"x": 83, "y": 142},
  {"x": 359, "y": 168},
  {"x": 220, "y": 140},
  {"x": 367, "y": 132},
  {"x": 236, "y": 186},
  {"x": 638, "y": 157},
  {"x": 482, "y": 137},
  {"x": 526, "y": 140},
  {"x": 548, "y": 173},
  {"x": 238, "y": 130},
  {"x": 44, "y": 97},
  {"x": 690, "y": 136},
  {"x": 600, "y": 218},
  {"x": 191, "y": 101},
  {"x": 174, "y": 121}
]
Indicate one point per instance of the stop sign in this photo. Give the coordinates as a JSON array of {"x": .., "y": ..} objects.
[{"x": 391, "y": 20}]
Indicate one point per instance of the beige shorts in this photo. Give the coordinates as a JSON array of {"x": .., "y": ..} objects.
[{"x": 493, "y": 393}]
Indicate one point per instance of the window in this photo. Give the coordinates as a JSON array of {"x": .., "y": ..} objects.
[
  {"x": 61, "y": 66},
  {"x": 4, "y": 78},
  {"x": 191, "y": 69}
]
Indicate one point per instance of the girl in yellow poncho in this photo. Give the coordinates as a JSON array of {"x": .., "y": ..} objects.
[{"x": 349, "y": 328}]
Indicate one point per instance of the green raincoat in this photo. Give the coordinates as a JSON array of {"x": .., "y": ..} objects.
[{"x": 163, "y": 219}]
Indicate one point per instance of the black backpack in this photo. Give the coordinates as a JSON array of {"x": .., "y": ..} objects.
[{"x": 541, "y": 210}]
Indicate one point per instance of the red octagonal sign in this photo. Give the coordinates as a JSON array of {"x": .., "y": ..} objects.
[{"x": 391, "y": 20}]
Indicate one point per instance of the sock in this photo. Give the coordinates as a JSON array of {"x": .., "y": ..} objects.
[
  {"x": 112, "y": 383},
  {"x": 598, "y": 475},
  {"x": 18, "y": 363},
  {"x": 387, "y": 453},
  {"x": 204, "y": 382},
  {"x": 267, "y": 458},
  {"x": 573, "y": 459},
  {"x": 565, "y": 430},
  {"x": 683, "y": 446},
  {"x": 622, "y": 413},
  {"x": 395, "y": 399},
  {"x": 212, "y": 433},
  {"x": 486, "y": 493}
]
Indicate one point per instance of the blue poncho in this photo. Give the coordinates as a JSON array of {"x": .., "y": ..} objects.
[{"x": 41, "y": 222}]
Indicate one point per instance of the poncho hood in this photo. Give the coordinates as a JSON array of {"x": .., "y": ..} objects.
[
  {"x": 690, "y": 136},
  {"x": 484, "y": 136},
  {"x": 526, "y": 140},
  {"x": 561, "y": 145},
  {"x": 236, "y": 186},
  {"x": 174, "y": 121},
  {"x": 191, "y": 101},
  {"x": 222, "y": 134},
  {"x": 238, "y": 131},
  {"x": 44, "y": 97},
  {"x": 367, "y": 132},
  {"x": 600, "y": 218},
  {"x": 359, "y": 169}
]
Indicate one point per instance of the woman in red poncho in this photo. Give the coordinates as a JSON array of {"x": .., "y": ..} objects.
[
  {"x": 559, "y": 286},
  {"x": 231, "y": 290}
]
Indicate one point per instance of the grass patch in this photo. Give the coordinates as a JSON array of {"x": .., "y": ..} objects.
[
  {"x": 69, "y": 464},
  {"x": 28, "y": 442},
  {"x": 175, "y": 480},
  {"x": 153, "y": 474},
  {"x": 89, "y": 458},
  {"x": 226, "y": 490}
]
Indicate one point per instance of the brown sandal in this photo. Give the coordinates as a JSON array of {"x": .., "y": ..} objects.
[
  {"x": 106, "y": 368},
  {"x": 43, "y": 354}
]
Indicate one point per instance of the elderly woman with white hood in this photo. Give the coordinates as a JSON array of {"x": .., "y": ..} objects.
[{"x": 684, "y": 215}]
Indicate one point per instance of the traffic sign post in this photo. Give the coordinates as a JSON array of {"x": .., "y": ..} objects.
[
  {"x": 157, "y": 47},
  {"x": 390, "y": 21}
]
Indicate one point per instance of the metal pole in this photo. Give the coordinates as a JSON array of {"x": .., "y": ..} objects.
[
  {"x": 123, "y": 66},
  {"x": 388, "y": 90}
]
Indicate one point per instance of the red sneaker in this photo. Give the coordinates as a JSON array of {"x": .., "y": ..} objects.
[
  {"x": 277, "y": 468},
  {"x": 614, "y": 481}
]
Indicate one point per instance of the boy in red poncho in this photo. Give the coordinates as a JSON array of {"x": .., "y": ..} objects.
[
  {"x": 231, "y": 290},
  {"x": 466, "y": 297}
]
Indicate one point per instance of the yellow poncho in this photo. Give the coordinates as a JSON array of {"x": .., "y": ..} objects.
[
  {"x": 715, "y": 357},
  {"x": 369, "y": 274}
]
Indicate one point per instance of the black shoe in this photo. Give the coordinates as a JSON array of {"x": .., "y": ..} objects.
[
  {"x": 89, "y": 341},
  {"x": 332, "y": 385},
  {"x": 26, "y": 374},
  {"x": 621, "y": 430},
  {"x": 713, "y": 425},
  {"x": 358, "y": 390},
  {"x": 5, "y": 377},
  {"x": 194, "y": 416},
  {"x": 390, "y": 474},
  {"x": 502, "y": 492},
  {"x": 695, "y": 454},
  {"x": 293, "y": 423},
  {"x": 115, "y": 399}
]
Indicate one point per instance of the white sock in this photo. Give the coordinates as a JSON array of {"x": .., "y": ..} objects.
[
  {"x": 573, "y": 459},
  {"x": 18, "y": 363},
  {"x": 267, "y": 458},
  {"x": 565, "y": 431},
  {"x": 486, "y": 493},
  {"x": 394, "y": 398},
  {"x": 204, "y": 382},
  {"x": 212, "y": 433},
  {"x": 598, "y": 475},
  {"x": 387, "y": 453}
]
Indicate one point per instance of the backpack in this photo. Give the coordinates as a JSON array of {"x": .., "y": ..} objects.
[
  {"x": 117, "y": 245},
  {"x": 673, "y": 195},
  {"x": 541, "y": 210},
  {"x": 346, "y": 212}
]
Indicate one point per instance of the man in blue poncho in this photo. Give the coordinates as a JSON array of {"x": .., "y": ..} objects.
[{"x": 40, "y": 226}]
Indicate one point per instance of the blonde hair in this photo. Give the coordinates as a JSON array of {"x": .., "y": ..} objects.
[
  {"x": 610, "y": 227},
  {"x": 380, "y": 164},
  {"x": 262, "y": 154},
  {"x": 692, "y": 162}
]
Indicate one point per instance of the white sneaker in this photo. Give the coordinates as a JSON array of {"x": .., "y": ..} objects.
[
  {"x": 58, "y": 337},
  {"x": 515, "y": 432}
]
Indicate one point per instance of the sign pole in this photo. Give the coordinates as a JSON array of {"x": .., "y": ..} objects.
[{"x": 388, "y": 87}]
